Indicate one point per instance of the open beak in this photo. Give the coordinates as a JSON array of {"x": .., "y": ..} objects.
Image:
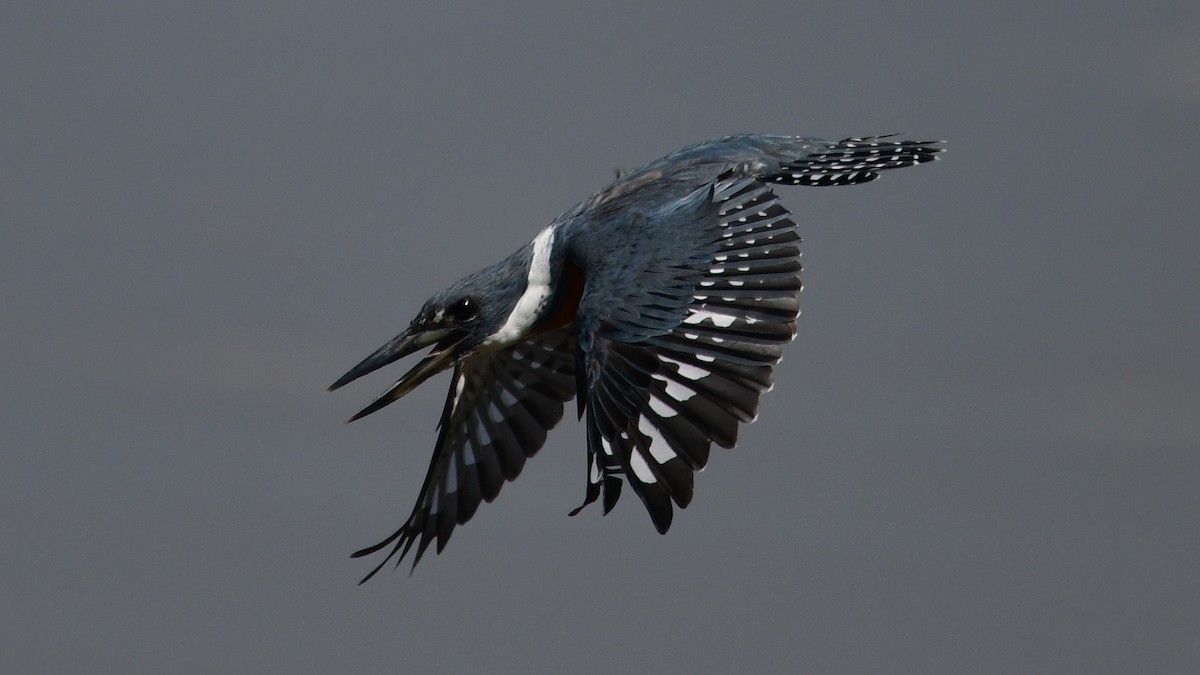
[{"x": 402, "y": 345}]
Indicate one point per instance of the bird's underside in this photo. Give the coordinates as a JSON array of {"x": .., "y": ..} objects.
[{"x": 662, "y": 304}]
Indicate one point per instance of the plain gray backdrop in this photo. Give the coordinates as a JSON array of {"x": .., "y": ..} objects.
[{"x": 982, "y": 453}]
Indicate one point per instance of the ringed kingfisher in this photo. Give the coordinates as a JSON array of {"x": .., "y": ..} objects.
[{"x": 661, "y": 304}]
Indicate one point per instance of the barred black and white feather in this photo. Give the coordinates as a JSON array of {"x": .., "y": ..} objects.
[
  {"x": 497, "y": 413},
  {"x": 854, "y": 160}
]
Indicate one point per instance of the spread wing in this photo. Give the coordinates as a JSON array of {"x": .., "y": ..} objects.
[
  {"x": 498, "y": 410},
  {"x": 673, "y": 357}
]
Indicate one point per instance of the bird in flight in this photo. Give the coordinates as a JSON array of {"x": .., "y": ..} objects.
[{"x": 661, "y": 303}]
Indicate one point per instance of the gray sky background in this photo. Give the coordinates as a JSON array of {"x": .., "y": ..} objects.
[{"x": 982, "y": 453}]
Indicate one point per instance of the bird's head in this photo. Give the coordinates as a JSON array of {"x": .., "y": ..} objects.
[{"x": 472, "y": 315}]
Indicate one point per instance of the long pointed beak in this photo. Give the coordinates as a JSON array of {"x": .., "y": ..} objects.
[{"x": 402, "y": 345}]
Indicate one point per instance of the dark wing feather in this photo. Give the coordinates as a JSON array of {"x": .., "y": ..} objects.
[
  {"x": 498, "y": 410},
  {"x": 660, "y": 390}
]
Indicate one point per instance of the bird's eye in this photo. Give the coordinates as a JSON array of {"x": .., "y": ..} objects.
[{"x": 463, "y": 310}]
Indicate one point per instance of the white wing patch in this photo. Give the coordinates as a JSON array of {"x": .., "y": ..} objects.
[
  {"x": 640, "y": 468},
  {"x": 659, "y": 449},
  {"x": 718, "y": 318},
  {"x": 661, "y": 408},
  {"x": 686, "y": 370}
]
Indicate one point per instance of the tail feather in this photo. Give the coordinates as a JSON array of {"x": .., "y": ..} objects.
[{"x": 853, "y": 160}]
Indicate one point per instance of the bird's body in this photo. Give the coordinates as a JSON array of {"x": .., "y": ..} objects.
[{"x": 662, "y": 303}]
